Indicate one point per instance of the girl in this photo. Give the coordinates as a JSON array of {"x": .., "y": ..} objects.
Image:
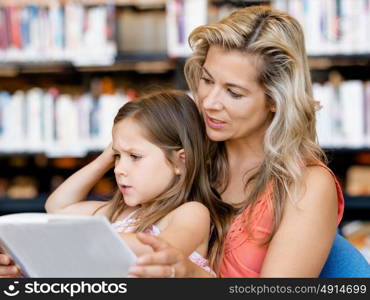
[{"x": 159, "y": 159}]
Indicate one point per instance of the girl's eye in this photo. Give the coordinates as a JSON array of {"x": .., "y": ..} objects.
[
  {"x": 234, "y": 95},
  {"x": 116, "y": 156},
  {"x": 206, "y": 80},
  {"x": 135, "y": 157}
]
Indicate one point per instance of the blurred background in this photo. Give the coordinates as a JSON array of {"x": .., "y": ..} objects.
[{"x": 66, "y": 66}]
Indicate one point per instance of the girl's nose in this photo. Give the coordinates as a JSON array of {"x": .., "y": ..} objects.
[{"x": 120, "y": 170}]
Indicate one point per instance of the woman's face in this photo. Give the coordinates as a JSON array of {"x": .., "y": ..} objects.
[{"x": 233, "y": 103}]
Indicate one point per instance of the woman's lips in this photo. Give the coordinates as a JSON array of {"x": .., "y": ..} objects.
[{"x": 214, "y": 123}]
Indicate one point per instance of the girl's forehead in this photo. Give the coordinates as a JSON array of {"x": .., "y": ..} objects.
[{"x": 128, "y": 135}]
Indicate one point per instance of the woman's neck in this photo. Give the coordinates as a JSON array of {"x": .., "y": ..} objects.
[{"x": 244, "y": 153}]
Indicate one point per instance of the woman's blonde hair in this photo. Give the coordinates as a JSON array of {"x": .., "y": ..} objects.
[
  {"x": 171, "y": 121},
  {"x": 276, "y": 41}
]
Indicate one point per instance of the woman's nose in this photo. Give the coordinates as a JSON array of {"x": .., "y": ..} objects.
[{"x": 212, "y": 101}]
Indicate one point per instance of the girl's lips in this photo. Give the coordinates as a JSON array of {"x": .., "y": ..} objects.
[
  {"x": 125, "y": 188},
  {"x": 214, "y": 123}
]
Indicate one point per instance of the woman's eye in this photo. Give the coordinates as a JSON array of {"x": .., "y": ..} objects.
[
  {"x": 206, "y": 80},
  {"x": 116, "y": 156},
  {"x": 234, "y": 95}
]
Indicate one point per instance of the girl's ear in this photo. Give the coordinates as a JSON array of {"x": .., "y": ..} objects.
[{"x": 180, "y": 155}]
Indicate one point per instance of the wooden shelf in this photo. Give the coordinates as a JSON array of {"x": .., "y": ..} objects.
[
  {"x": 9, "y": 206},
  {"x": 322, "y": 62},
  {"x": 137, "y": 3},
  {"x": 357, "y": 203},
  {"x": 347, "y": 149},
  {"x": 37, "y": 204},
  {"x": 141, "y": 64},
  {"x": 241, "y": 3}
]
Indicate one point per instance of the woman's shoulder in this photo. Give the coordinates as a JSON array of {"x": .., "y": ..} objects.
[
  {"x": 320, "y": 187},
  {"x": 318, "y": 173}
]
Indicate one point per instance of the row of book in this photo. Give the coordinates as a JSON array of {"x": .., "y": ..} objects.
[
  {"x": 29, "y": 187},
  {"x": 73, "y": 32},
  {"x": 358, "y": 233},
  {"x": 93, "y": 35},
  {"x": 332, "y": 27},
  {"x": 56, "y": 124},
  {"x": 344, "y": 118},
  {"x": 182, "y": 17}
]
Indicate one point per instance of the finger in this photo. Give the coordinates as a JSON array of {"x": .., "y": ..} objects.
[
  {"x": 11, "y": 271},
  {"x": 5, "y": 259},
  {"x": 165, "y": 257},
  {"x": 150, "y": 271},
  {"x": 20, "y": 271},
  {"x": 156, "y": 243}
]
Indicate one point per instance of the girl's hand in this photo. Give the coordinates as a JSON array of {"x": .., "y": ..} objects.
[
  {"x": 7, "y": 266},
  {"x": 107, "y": 157},
  {"x": 166, "y": 261}
]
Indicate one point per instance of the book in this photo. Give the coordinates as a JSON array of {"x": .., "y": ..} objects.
[
  {"x": 58, "y": 245},
  {"x": 358, "y": 180},
  {"x": 358, "y": 233}
]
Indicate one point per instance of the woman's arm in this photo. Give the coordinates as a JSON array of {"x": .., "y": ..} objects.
[
  {"x": 76, "y": 188},
  {"x": 303, "y": 240},
  {"x": 164, "y": 258}
]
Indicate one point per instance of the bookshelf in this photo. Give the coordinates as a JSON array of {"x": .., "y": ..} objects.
[
  {"x": 138, "y": 68},
  {"x": 143, "y": 4},
  {"x": 137, "y": 59}
]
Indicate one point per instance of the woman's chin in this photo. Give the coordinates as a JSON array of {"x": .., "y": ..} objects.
[{"x": 216, "y": 136}]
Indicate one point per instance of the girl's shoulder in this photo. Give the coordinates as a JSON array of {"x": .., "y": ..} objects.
[
  {"x": 189, "y": 212},
  {"x": 190, "y": 208}
]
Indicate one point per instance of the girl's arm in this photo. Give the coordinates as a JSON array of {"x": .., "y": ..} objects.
[
  {"x": 75, "y": 189},
  {"x": 304, "y": 238},
  {"x": 186, "y": 228}
]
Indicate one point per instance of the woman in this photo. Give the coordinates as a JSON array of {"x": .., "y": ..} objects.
[{"x": 250, "y": 77}]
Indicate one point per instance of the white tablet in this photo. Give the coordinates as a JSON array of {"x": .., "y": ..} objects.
[{"x": 51, "y": 245}]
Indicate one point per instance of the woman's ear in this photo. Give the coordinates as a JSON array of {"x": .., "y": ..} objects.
[
  {"x": 180, "y": 157},
  {"x": 272, "y": 106}
]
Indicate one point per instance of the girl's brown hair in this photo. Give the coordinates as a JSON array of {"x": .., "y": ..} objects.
[{"x": 171, "y": 121}]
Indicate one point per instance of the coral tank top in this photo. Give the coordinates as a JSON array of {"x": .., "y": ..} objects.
[{"x": 243, "y": 256}]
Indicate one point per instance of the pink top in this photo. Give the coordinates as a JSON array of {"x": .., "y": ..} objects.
[
  {"x": 126, "y": 225},
  {"x": 243, "y": 257}
]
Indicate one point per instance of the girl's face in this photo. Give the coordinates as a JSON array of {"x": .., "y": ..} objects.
[
  {"x": 232, "y": 102},
  {"x": 142, "y": 171}
]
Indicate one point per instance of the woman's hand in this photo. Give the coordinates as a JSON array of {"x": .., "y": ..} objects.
[
  {"x": 166, "y": 261},
  {"x": 7, "y": 267}
]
